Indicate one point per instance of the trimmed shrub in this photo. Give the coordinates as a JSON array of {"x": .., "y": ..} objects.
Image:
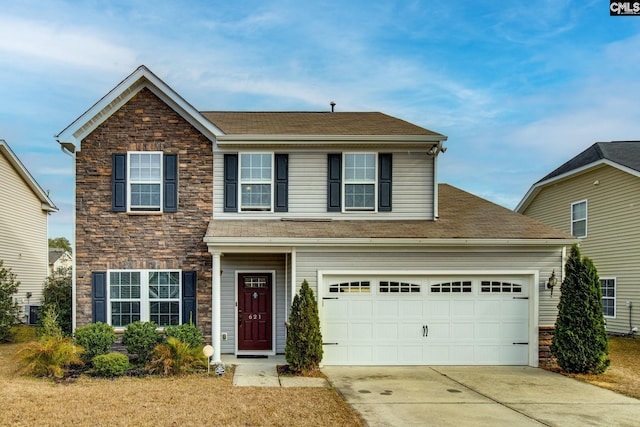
[
  {"x": 9, "y": 312},
  {"x": 49, "y": 357},
  {"x": 303, "y": 349},
  {"x": 580, "y": 340},
  {"x": 187, "y": 333},
  {"x": 140, "y": 338},
  {"x": 110, "y": 365},
  {"x": 175, "y": 357},
  {"x": 96, "y": 339}
]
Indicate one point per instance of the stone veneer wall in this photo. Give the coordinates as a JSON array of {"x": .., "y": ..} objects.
[
  {"x": 110, "y": 240},
  {"x": 545, "y": 337}
]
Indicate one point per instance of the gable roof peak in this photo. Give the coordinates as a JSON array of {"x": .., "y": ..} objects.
[{"x": 70, "y": 138}]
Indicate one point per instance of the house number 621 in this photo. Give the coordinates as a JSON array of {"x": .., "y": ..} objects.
[{"x": 255, "y": 316}]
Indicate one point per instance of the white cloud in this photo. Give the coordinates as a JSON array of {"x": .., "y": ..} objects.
[{"x": 43, "y": 42}]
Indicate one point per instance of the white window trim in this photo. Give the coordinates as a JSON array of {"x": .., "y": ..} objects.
[
  {"x": 344, "y": 184},
  {"x": 585, "y": 219},
  {"x": 614, "y": 298},
  {"x": 130, "y": 182},
  {"x": 241, "y": 182},
  {"x": 145, "y": 308}
]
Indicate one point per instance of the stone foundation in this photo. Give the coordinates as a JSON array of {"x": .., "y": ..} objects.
[{"x": 545, "y": 337}]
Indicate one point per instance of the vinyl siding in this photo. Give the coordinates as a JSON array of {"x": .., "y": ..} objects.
[
  {"x": 412, "y": 188},
  {"x": 230, "y": 264},
  {"x": 23, "y": 231},
  {"x": 613, "y": 229},
  {"x": 545, "y": 261}
]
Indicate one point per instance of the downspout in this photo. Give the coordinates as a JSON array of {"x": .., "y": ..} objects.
[{"x": 435, "y": 187}]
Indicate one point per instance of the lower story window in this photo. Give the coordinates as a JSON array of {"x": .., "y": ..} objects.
[
  {"x": 608, "y": 287},
  {"x": 146, "y": 295}
]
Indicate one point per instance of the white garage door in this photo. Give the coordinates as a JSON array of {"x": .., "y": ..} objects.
[{"x": 425, "y": 320}]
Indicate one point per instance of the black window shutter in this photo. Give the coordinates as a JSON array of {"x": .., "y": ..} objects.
[
  {"x": 231, "y": 183},
  {"x": 282, "y": 183},
  {"x": 119, "y": 183},
  {"x": 334, "y": 183},
  {"x": 170, "y": 201},
  {"x": 385, "y": 165},
  {"x": 189, "y": 280},
  {"x": 99, "y": 296}
]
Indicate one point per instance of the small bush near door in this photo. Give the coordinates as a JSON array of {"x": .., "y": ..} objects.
[
  {"x": 175, "y": 357},
  {"x": 303, "y": 349},
  {"x": 187, "y": 333}
]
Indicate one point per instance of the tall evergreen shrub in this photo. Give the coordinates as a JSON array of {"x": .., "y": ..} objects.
[
  {"x": 580, "y": 340},
  {"x": 303, "y": 349}
]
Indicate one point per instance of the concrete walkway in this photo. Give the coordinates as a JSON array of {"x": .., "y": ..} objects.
[
  {"x": 478, "y": 396},
  {"x": 263, "y": 373}
]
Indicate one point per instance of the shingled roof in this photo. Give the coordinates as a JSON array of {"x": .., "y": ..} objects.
[
  {"x": 462, "y": 216},
  {"x": 312, "y": 123},
  {"x": 625, "y": 153}
]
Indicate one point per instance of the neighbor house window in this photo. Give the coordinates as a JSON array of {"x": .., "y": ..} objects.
[
  {"x": 579, "y": 219},
  {"x": 608, "y": 287},
  {"x": 145, "y": 181},
  {"x": 146, "y": 295},
  {"x": 256, "y": 182},
  {"x": 360, "y": 181}
]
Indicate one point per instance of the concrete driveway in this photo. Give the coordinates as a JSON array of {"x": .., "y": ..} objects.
[{"x": 464, "y": 396}]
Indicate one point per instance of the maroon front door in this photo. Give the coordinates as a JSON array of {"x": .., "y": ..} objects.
[{"x": 254, "y": 311}]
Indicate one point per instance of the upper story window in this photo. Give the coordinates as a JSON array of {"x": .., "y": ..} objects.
[
  {"x": 608, "y": 286},
  {"x": 256, "y": 182},
  {"x": 579, "y": 218},
  {"x": 360, "y": 181},
  {"x": 145, "y": 181}
]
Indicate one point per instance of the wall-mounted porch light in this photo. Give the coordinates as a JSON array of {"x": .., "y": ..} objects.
[{"x": 552, "y": 281}]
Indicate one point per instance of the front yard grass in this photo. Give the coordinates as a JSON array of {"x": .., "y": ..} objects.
[
  {"x": 623, "y": 376},
  {"x": 195, "y": 399}
]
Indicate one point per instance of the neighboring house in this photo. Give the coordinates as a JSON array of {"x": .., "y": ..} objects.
[
  {"x": 217, "y": 218},
  {"x": 59, "y": 259},
  {"x": 24, "y": 209},
  {"x": 595, "y": 197}
]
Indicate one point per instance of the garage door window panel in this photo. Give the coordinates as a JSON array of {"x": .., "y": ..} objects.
[
  {"x": 496, "y": 287},
  {"x": 351, "y": 287},
  {"x": 452, "y": 287},
  {"x": 398, "y": 287}
]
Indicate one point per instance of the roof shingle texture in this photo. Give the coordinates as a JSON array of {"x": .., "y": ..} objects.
[
  {"x": 625, "y": 153},
  {"x": 462, "y": 216},
  {"x": 312, "y": 123}
]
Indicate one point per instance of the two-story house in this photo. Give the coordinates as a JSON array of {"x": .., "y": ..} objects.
[
  {"x": 594, "y": 196},
  {"x": 217, "y": 217},
  {"x": 24, "y": 212}
]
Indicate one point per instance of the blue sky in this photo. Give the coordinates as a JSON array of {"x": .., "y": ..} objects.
[{"x": 519, "y": 87}]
